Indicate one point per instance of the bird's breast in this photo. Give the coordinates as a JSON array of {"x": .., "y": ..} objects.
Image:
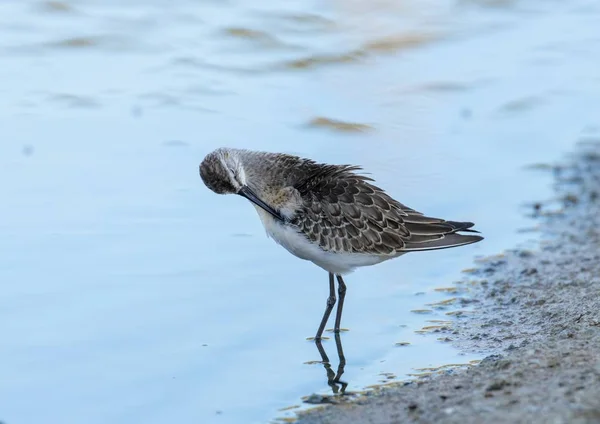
[
  {"x": 295, "y": 242},
  {"x": 289, "y": 236}
]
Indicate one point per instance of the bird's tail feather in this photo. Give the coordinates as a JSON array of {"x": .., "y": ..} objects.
[{"x": 444, "y": 242}]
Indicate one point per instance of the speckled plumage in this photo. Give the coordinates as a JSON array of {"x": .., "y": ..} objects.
[
  {"x": 328, "y": 214},
  {"x": 342, "y": 211}
]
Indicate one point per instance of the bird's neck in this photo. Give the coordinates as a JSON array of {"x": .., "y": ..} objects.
[{"x": 266, "y": 176}]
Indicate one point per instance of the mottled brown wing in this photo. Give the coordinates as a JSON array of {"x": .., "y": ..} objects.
[{"x": 343, "y": 212}]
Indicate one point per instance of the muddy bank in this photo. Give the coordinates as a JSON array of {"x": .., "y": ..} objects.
[{"x": 537, "y": 317}]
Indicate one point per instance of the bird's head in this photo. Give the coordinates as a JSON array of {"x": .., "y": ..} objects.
[{"x": 223, "y": 172}]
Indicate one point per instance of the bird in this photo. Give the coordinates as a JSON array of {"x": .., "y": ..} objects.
[{"x": 332, "y": 215}]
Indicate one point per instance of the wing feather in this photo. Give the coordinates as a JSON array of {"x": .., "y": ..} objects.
[{"x": 343, "y": 212}]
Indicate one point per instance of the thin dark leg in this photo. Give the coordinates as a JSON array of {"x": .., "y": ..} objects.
[
  {"x": 342, "y": 293},
  {"x": 328, "y": 309}
]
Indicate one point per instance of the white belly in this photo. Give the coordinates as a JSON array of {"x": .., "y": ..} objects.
[{"x": 299, "y": 245}]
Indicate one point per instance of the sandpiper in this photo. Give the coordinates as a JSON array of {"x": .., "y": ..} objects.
[{"x": 328, "y": 214}]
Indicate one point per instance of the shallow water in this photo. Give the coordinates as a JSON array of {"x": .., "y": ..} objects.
[{"x": 131, "y": 293}]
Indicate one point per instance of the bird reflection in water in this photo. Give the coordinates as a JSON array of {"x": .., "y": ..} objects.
[{"x": 333, "y": 378}]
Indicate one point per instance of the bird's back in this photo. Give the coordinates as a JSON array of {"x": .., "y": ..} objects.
[{"x": 342, "y": 211}]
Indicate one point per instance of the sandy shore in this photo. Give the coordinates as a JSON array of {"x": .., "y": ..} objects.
[{"x": 537, "y": 316}]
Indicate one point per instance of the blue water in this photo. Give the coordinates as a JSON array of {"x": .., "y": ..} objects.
[{"x": 131, "y": 293}]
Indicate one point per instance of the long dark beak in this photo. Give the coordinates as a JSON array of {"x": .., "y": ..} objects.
[{"x": 250, "y": 195}]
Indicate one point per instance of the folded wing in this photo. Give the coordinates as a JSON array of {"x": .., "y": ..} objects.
[{"x": 343, "y": 212}]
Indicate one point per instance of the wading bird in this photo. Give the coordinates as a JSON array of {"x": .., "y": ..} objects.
[{"x": 328, "y": 214}]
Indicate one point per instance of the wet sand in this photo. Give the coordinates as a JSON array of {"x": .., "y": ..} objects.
[{"x": 536, "y": 316}]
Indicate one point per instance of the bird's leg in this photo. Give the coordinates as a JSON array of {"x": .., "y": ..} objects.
[
  {"x": 342, "y": 294},
  {"x": 328, "y": 308}
]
